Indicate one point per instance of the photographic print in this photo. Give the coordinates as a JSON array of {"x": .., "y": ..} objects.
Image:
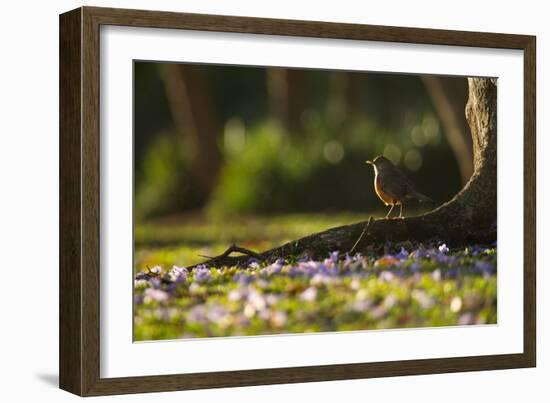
[{"x": 274, "y": 200}]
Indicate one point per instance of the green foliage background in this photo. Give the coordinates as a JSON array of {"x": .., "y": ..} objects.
[{"x": 273, "y": 171}]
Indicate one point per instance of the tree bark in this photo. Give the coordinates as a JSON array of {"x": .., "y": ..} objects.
[{"x": 470, "y": 217}]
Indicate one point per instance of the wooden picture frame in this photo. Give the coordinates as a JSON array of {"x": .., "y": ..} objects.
[{"x": 80, "y": 199}]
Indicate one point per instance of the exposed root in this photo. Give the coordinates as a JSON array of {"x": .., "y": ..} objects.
[{"x": 221, "y": 260}]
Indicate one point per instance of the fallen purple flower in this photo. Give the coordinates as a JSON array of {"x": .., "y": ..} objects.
[
  {"x": 202, "y": 274},
  {"x": 253, "y": 264},
  {"x": 386, "y": 276},
  {"x": 273, "y": 268},
  {"x": 485, "y": 268},
  {"x": 243, "y": 278},
  {"x": 403, "y": 254},
  {"x": 466, "y": 319},
  {"x": 178, "y": 274},
  {"x": 415, "y": 267},
  {"x": 153, "y": 294}
]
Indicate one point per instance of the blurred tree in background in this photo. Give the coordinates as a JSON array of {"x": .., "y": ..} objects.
[{"x": 245, "y": 140}]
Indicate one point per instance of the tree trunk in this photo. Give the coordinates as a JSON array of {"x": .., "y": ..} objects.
[
  {"x": 449, "y": 95},
  {"x": 285, "y": 88},
  {"x": 191, "y": 112},
  {"x": 343, "y": 97},
  {"x": 470, "y": 217}
]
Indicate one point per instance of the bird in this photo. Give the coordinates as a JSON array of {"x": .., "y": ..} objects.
[{"x": 392, "y": 186}]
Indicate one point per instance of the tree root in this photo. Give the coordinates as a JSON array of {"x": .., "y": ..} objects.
[
  {"x": 234, "y": 248},
  {"x": 225, "y": 257},
  {"x": 435, "y": 226}
]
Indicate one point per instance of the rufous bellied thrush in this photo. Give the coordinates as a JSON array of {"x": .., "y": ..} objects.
[{"x": 392, "y": 186}]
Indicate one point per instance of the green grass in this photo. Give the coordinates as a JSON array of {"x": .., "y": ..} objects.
[{"x": 423, "y": 285}]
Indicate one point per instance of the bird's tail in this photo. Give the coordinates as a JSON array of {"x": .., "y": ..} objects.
[{"x": 422, "y": 198}]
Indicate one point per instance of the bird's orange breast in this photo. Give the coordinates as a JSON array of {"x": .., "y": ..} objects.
[{"x": 386, "y": 198}]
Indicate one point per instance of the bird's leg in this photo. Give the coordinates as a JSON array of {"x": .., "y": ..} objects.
[
  {"x": 400, "y": 210},
  {"x": 389, "y": 212}
]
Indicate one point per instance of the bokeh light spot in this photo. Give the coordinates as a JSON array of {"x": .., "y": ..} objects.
[
  {"x": 418, "y": 136},
  {"x": 393, "y": 153},
  {"x": 234, "y": 135},
  {"x": 333, "y": 152},
  {"x": 413, "y": 160},
  {"x": 431, "y": 129}
]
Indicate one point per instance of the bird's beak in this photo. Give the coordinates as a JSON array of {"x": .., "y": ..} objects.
[{"x": 369, "y": 162}]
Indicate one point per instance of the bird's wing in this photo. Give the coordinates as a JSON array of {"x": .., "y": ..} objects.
[
  {"x": 407, "y": 188},
  {"x": 396, "y": 184},
  {"x": 404, "y": 179}
]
